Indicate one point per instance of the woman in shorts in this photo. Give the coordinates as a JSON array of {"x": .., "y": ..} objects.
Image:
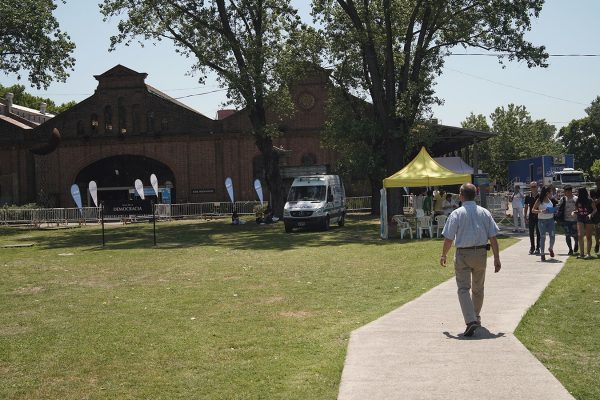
[{"x": 585, "y": 210}]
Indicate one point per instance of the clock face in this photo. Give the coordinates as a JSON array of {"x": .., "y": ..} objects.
[{"x": 306, "y": 101}]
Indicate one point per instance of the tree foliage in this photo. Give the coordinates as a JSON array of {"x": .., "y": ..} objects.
[
  {"x": 582, "y": 137},
  {"x": 22, "y": 98},
  {"x": 518, "y": 137},
  {"x": 392, "y": 51},
  {"x": 31, "y": 40},
  {"x": 595, "y": 169},
  {"x": 252, "y": 46}
]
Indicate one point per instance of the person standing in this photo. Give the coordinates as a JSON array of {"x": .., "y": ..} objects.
[
  {"x": 532, "y": 218},
  {"x": 569, "y": 220},
  {"x": 543, "y": 207},
  {"x": 585, "y": 211},
  {"x": 470, "y": 227},
  {"x": 438, "y": 198},
  {"x": 428, "y": 203},
  {"x": 596, "y": 200},
  {"x": 518, "y": 200}
]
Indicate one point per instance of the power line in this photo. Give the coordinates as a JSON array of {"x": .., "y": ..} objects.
[
  {"x": 200, "y": 94},
  {"x": 508, "y": 54},
  {"x": 515, "y": 87}
]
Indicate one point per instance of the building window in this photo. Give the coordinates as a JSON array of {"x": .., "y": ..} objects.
[
  {"x": 122, "y": 116},
  {"x": 308, "y": 160},
  {"x": 135, "y": 120},
  {"x": 164, "y": 125},
  {"x": 80, "y": 128},
  {"x": 94, "y": 122},
  {"x": 150, "y": 121},
  {"x": 108, "y": 127}
]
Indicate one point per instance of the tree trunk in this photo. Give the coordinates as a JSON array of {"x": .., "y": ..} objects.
[
  {"x": 375, "y": 195},
  {"x": 272, "y": 174}
]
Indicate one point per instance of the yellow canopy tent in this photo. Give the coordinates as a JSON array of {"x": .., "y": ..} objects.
[
  {"x": 424, "y": 171},
  {"x": 421, "y": 171}
]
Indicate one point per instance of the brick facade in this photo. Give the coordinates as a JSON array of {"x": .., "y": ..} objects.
[{"x": 127, "y": 117}]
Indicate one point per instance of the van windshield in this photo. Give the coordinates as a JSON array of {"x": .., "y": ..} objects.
[
  {"x": 570, "y": 178},
  {"x": 307, "y": 193}
]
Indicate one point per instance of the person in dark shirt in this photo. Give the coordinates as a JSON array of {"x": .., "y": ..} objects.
[{"x": 531, "y": 219}]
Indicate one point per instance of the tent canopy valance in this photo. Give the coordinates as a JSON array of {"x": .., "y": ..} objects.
[{"x": 424, "y": 171}]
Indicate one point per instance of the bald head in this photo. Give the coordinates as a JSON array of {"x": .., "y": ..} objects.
[{"x": 468, "y": 191}]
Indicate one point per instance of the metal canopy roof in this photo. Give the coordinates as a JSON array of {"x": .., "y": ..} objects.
[{"x": 452, "y": 138}]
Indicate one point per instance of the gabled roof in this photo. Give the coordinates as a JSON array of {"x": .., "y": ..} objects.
[
  {"x": 165, "y": 96},
  {"x": 119, "y": 71},
  {"x": 16, "y": 122},
  {"x": 424, "y": 171}
]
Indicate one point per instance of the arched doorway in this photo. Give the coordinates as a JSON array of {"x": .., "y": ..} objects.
[{"x": 115, "y": 176}]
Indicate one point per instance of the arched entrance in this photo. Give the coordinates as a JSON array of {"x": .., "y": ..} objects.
[{"x": 115, "y": 176}]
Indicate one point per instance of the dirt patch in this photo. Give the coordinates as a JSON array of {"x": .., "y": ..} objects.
[
  {"x": 296, "y": 314},
  {"x": 273, "y": 300},
  {"x": 13, "y": 330},
  {"x": 29, "y": 290}
]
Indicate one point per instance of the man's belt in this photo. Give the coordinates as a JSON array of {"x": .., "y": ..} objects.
[{"x": 483, "y": 246}]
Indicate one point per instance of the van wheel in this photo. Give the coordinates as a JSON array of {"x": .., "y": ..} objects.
[
  {"x": 342, "y": 220},
  {"x": 325, "y": 225},
  {"x": 288, "y": 227}
]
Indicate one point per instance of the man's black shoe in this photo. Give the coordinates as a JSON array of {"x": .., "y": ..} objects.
[
  {"x": 537, "y": 252},
  {"x": 471, "y": 327},
  {"x": 570, "y": 252},
  {"x": 531, "y": 251}
]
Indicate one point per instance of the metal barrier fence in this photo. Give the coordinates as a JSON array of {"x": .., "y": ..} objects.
[
  {"x": 362, "y": 203},
  {"x": 40, "y": 216},
  {"x": 58, "y": 216}
]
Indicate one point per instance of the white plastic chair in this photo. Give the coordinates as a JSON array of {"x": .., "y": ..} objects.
[
  {"x": 441, "y": 221},
  {"x": 420, "y": 213},
  {"x": 424, "y": 223}
]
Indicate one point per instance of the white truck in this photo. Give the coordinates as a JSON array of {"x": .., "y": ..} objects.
[
  {"x": 315, "y": 201},
  {"x": 567, "y": 176}
]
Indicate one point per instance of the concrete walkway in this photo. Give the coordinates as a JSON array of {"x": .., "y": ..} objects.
[{"x": 418, "y": 352}]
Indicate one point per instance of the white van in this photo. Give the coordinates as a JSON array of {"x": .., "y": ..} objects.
[{"x": 317, "y": 200}]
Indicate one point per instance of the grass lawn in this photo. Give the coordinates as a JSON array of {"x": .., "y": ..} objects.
[
  {"x": 213, "y": 312},
  {"x": 563, "y": 328}
]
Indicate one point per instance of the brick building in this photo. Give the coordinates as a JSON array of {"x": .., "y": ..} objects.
[{"x": 128, "y": 130}]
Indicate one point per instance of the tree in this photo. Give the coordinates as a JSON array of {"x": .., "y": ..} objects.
[
  {"x": 352, "y": 132},
  {"x": 22, "y": 98},
  {"x": 252, "y": 46},
  {"x": 392, "y": 50},
  {"x": 582, "y": 137},
  {"x": 30, "y": 40},
  {"x": 518, "y": 137},
  {"x": 595, "y": 169}
]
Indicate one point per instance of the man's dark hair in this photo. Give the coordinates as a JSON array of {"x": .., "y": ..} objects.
[
  {"x": 468, "y": 190},
  {"x": 568, "y": 187}
]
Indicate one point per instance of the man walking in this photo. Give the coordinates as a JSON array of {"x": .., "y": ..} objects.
[
  {"x": 532, "y": 219},
  {"x": 470, "y": 227}
]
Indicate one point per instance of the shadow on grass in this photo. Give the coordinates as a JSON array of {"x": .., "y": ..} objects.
[{"x": 177, "y": 235}]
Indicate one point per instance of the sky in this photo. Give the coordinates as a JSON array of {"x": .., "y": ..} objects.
[{"x": 469, "y": 84}]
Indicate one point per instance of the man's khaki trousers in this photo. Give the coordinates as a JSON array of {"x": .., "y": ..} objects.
[{"x": 470, "y": 278}]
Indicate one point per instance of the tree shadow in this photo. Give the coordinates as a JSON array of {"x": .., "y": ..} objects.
[
  {"x": 482, "y": 333},
  {"x": 192, "y": 233}
]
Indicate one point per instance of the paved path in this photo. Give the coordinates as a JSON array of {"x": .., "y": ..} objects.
[{"x": 418, "y": 352}]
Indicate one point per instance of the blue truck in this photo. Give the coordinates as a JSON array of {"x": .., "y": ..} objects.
[{"x": 545, "y": 170}]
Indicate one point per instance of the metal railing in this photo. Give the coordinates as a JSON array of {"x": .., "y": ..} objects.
[
  {"x": 362, "y": 203},
  {"x": 40, "y": 216},
  {"x": 64, "y": 216}
]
